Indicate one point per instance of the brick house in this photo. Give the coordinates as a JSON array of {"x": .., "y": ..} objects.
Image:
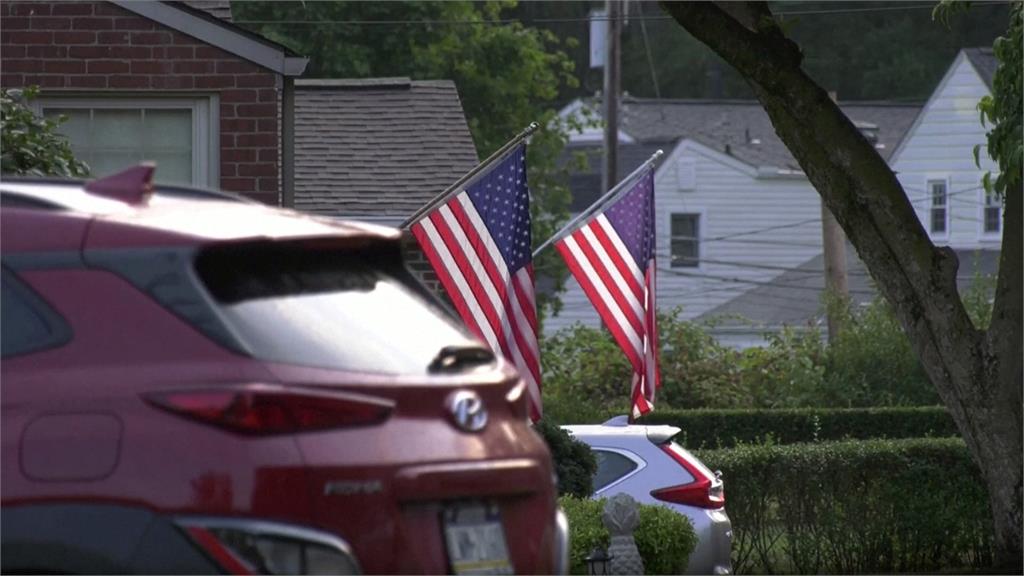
[{"x": 174, "y": 82}]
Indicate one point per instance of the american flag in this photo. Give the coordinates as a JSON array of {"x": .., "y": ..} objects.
[
  {"x": 612, "y": 257},
  {"x": 479, "y": 244}
]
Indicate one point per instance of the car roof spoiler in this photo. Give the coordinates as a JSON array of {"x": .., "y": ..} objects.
[
  {"x": 656, "y": 434},
  {"x": 132, "y": 186}
]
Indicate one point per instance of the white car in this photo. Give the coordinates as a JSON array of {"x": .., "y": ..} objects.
[{"x": 645, "y": 463}]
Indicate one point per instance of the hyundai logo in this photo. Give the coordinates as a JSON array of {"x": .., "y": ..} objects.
[{"x": 467, "y": 409}]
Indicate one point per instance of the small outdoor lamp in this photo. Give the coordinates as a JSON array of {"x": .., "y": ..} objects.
[{"x": 597, "y": 562}]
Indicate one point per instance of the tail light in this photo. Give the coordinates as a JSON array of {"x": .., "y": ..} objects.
[
  {"x": 262, "y": 409},
  {"x": 706, "y": 490}
]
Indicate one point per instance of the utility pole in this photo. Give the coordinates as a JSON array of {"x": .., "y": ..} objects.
[
  {"x": 834, "y": 243},
  {"x": 613, "y": 11}
]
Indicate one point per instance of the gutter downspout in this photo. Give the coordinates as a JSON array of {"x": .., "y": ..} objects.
[{"x": 288, "y": 143}]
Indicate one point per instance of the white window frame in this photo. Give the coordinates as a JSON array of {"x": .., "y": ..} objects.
[
  {"x": 205, "y": 124},
  {"x": 930, "y": 206},
  {"x": 982, "y": 207},
  {"x": 701, "y": 233}
]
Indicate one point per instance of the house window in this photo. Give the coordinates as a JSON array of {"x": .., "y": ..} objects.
[
  {"x": 940, "y": 206},
  {"x": 993, "y": 212},
  {"x": 685, "y": 240},
  {"x": 113, "y": 134}
]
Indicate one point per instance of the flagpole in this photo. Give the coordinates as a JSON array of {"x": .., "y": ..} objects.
[
  {"x": 599, "y": 203},
  {"x": 461, "y": 182}
]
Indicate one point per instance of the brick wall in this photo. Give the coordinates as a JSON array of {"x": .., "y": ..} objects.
[
  {"x": 96, "y": 47},
  {"x": 417, "y": 263}
]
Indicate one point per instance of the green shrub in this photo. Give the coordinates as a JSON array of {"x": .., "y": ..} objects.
[
  {"x": 30, "y": 144},
  {"x": 664, "y": 538},
  {"x": 727, "y": 428},
  {"x": 871, "y": 363},
  {"x": 574, "y": 462},
  {"x": 913, "y": 505},
  {"x": 586, "y": 531}
]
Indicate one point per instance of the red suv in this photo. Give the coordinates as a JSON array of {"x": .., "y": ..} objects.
[{"x": 194, "y": 383}]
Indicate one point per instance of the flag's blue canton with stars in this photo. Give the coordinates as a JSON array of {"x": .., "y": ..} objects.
[
  {"x": 502, "y": 200},
  {"x": 633, "y": 218}
]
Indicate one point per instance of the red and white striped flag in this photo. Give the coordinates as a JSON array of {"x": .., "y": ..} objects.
[
  {"x": 479, "y": 244},
  {"x": 612, "y": 257}
]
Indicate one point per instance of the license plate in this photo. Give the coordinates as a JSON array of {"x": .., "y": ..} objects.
[{"x": 475, "y": 539}]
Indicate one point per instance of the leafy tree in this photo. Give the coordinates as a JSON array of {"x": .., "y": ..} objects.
[
  {"x": 31, "y": 145},
  {"x": 507, "y": 74},
  {"x": 574, "y": 462},
  {"x": 976, "y": 372}
]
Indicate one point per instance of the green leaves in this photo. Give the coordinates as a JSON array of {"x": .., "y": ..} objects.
[
  {"x": 665, "y": 539},
  {"x": 574, "y": 462},
  {"x": 31, "y": 144},
  {"x": 1003, "y": 109},
  {"x": 875, "y": 506}
]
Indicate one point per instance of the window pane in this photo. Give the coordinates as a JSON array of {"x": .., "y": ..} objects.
[
  {"x": 684, "y": 225},
  {"x": 685, "y": 240},
  {"x": 938, "y": 193},
  {"x": 27, "y": 323},
  {"x": 107, "y": 162},
  {"x": 76, "y": 127},
  {"x": 992, "y": 218},
  {"x": 169, "y": 129},
  {"x": 326, "y": 309},
  {"x": 938, "y": 220},
  {"x": 610, "y": 467},
  {"x": 172, "y": 167},
  {"x": 117, "y": 128}
]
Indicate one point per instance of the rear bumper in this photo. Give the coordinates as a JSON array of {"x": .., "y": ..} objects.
[{"x": 713, "y": 553}]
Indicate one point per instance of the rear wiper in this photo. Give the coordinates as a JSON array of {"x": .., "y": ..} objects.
[{"x": 452, "y": 358}]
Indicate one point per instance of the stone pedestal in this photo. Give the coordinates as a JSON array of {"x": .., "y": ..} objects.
[{"x": 621, "y": 516}]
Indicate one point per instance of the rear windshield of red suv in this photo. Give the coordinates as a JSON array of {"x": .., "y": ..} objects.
[{"x": 354, "y": 310}]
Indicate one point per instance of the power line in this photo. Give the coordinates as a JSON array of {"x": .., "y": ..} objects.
[
  {"x": 753, "y": 282},
  {"x": 506, "y": 21}
]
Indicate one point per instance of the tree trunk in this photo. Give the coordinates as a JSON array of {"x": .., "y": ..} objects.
[{"x": 976, "y": 373}]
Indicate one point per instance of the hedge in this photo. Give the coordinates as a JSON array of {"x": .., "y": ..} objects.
[
  {"x": 664, "y": 538},
  {"x": 727, "y": 428},
  {"x": 912, "y": 505}
]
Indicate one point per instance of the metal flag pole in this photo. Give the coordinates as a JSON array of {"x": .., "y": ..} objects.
[
  {"x": 600, "y": 203},
  {"x": 461, "y": 182}
]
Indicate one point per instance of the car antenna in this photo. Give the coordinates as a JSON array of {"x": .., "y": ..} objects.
[{"x": 132, "y": 186}]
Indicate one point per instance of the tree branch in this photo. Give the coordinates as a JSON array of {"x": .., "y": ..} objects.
[
  {"x": 1005, "y": 338},
  {"x": 855, "y": 183}
]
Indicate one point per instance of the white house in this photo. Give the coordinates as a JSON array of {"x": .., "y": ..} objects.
[
  {"x": 935, "y": 161},
  {"x": 734, "y": 210},
  {"x": 739, "y": 225}
]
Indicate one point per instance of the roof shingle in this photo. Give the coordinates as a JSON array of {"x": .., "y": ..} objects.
[
  {"x": 377, "y": 147},
  {"x": 984, "y": 61}
]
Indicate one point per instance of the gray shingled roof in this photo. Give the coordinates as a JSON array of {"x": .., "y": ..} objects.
[
  {"x": 378, "y": 147},
  {"x": 984, "y": 61},
  {"x": 216, "y": 8},
  {"x": 794, "y": 297},
  {"x": 742, "y": 128}
]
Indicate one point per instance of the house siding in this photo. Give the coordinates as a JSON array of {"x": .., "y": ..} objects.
[
  {"x": 940, "y": 146},
  {"x": 97, "y": 48},
  {"x": 751, "y": 229}
]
